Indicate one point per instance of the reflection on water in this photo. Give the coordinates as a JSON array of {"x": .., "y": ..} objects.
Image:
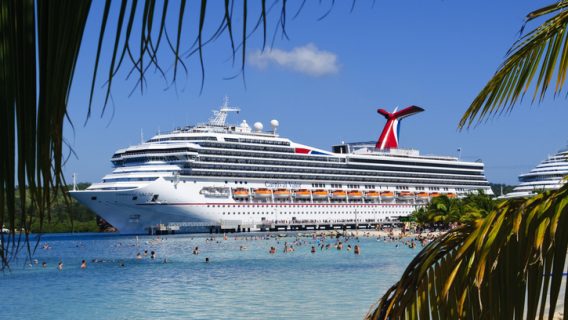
[{"x": 237, "y": 283}]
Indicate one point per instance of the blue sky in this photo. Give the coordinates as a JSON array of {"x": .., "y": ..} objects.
[{"x": 434, "y": 54}]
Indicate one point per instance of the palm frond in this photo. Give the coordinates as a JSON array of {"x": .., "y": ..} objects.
[
  {"x": 542, "y": 53},
  {"x": 489, "y": 268}
]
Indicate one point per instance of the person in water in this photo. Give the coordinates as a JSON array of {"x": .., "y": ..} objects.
[
  {"x": 153, "y": 255},
  {"x": 44, "y": 264},
  {"x": 60, "y": 266},
  {"x": 83, "y": 264},
  {"x": 313, "y": 249},
  {"x": 196, "y": 251},
  {"x": 138, "y": 256},
  {"x": 357, "y": 249}
]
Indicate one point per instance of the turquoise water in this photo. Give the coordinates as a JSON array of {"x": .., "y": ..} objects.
[{"x": 235, "y": 284}]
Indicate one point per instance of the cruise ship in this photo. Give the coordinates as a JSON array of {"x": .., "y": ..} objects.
[
  {"x": 550, "y": 174},
  {"x": 216, "y": 173}
]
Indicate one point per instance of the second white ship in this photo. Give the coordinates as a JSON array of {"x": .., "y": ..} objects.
[{"x": 215, "y": 173}]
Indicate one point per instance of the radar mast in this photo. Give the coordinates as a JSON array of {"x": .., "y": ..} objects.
[{"x": 220, "y": 116}]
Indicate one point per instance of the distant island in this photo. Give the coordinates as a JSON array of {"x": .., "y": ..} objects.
[{"x": 66, "y": 215}]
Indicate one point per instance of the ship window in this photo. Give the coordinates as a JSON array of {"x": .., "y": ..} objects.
[
  {"x": 155, "y": 197},
  {"x": 134, "y": 198},
  {"x": 93, "y": 198}
]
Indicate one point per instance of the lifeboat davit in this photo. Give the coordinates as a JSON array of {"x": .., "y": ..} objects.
[
  {"x": 338, "y": 194},
  {"x": 302, "y": 194},
  {"x": 422, "y": 196},
  {"x": 355, "y": 194},
  {"x": 319, "y": 194},
  {"x": 371, "y": 195},
  {"x": 282, "y": 193},
  {"x": 387, "y": 195},
  {"x": 240, "y": 193},
  {"x": 406, "y": 195},
  {"x": 262, "y": 193}
]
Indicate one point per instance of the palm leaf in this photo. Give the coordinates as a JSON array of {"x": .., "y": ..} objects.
[
  {"x": 489, "y": 268},
  {"x": 537, "y": 56}
]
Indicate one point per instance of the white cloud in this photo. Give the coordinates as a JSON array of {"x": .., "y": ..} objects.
[{"x": 307, "y": 59}]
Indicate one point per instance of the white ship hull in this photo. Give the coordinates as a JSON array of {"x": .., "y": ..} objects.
[{"x": 182, "y": 202}]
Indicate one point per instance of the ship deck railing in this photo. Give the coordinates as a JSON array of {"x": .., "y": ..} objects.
[{"x": 270, "y": 225}]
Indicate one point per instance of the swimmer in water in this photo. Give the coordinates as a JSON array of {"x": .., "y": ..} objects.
[
  {"x": 43, "y": 264},
  {"x": 83, "y": 264},
  {"x": 153, "y": 255},
  {"x": 60, "y": 266},
  {"x": 138, "y": 256}
]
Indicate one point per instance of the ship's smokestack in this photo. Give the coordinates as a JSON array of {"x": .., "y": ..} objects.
[{"x": 389, "y": 137}]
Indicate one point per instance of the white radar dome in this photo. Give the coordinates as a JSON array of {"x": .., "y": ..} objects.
[
  {"x": 258, "y": 126},
  {"x": 274, "y": 123}
]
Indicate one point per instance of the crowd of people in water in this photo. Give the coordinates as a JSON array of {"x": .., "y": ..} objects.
[{"x": 284, "y": 243}]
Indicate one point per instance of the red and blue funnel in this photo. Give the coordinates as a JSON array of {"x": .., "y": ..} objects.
[{"x": 389, "y": 136}]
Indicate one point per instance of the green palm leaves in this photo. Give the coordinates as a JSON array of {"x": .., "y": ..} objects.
[
  {"x": 39, "y": 45},
  {"x": 446, "y": 211},
  {"x": 506, "y": 266},
  {"x": 541, "y": 54}
]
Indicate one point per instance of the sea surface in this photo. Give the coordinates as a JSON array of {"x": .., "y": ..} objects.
[{"x": 234, "y": 284}]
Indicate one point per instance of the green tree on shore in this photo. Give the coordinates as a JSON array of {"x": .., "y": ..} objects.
[
  {"x": 444, "y": 211},
  {"x": 510, "y": 264}
]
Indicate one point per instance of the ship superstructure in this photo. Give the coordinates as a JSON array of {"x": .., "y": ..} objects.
[
  {"x": 216, "y": 172},
  {"x": 550, "y": 174}
]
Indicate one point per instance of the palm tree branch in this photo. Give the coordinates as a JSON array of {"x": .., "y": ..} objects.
[
  {"x": 514, "y": 255},
  {"x": 539, "y": 50}
]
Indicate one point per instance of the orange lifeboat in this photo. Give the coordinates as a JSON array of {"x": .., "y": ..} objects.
[
  {"x": 434, "y": 194},
  {"x": 451, "y": 195},
  {"x": 338, "y": 194},
  {"x": 302, "y": 194},
  {"x": 406, "y": 195},
  {"x": 372, "y": 195},
  {"x": 355, "y": 194},
  {"x": 262, "y": 193},
  {"x": 387, "y": 195},
  {"x": 319, "y": 194},
  {"x": 422, "y": 196},
  {"x": 240, "y": 193},
  {"x": 282, "y": 193}
]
